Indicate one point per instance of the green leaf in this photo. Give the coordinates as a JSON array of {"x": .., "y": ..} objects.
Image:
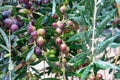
[
  {"x": 10, "y": 66},
  {"x": 84, "y": 36},
  {"x": 105, "y": 65},
  {"x": 53, "y": 7},
  {"x": 36, "y": 71},
  {"x": 104, "y": 22},
  {"x": 20, "y": 31},
  {"x": 103, "y": 45},
  {"x": 5, "y": 8},
  {"x": 39, "y": 21},
  {"x": 22, "y": 73},
  {"x": 30, "y": 53},
  {"x": 78, "y": 59},
  {"x": 4, "y": 47},
  {"x": 117, "y": 74},
  {"x": 86, "y": 72},
  {"x": 4, "y": 37},
  {"x": 114, "y": 45}
]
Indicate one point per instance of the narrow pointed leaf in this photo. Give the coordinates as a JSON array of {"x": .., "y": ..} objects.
[
  {"x": 105, "y": 65},
  {"x": 4, "y": 37},
  {"x": 30, "y": 53}
]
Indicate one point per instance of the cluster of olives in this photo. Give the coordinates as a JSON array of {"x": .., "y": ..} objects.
[
  {"x": 28, "y": 3},
  {"x": 38, "y": 37},
  {"x": 11, "y": 23}
]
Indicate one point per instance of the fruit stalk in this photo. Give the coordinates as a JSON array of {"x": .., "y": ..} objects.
[{"x": 63, "y": 65}]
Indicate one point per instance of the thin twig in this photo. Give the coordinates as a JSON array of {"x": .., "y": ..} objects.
[
  {"x": 94, "y": 25},
  {"x": 10, "y": 61},
  {"x": 63, "y": 66}
]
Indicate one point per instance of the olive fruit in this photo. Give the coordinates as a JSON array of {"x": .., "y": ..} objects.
[
  {"x": 60, "y": 24},
  {"x": 52, "y": 51},
  {"x": 38, "y": 2},
  {"x": 67, "y": 50},
  {"x": 37, "y": 51},
  {"x": 33, "y": 58},
  {"x": 28, "y": 5},
  {"x": 54, "y": 25},
  {"x": 41, "y": 32},
  {"x": 92, "y": 77},
  {"x": 5, "y": 14},
  {"x": 69, "y": 23},
  {"x": 40, "y": 41},
  {"x": 30, "y": 28},
  {"x": 63, "y": 47},
  {"x": 99, "y": 76},
  {"x": 46, "y": 1},
  {"x": 25, "y": 1},
  {"x": 63, "y": 9},
  {"x": 58, "y": 41},
  {"x": 24, "y": 48},
  {"x": 51, "y": 55},
  {"x": 14, "y": 27},
  {"x": 58, "y": 30},
  {"x": 8, "y": 22},
  {"x": 57, "y": 64},
  {"x": 34, "y": 34},
  {"x": 55, "y": 16}
]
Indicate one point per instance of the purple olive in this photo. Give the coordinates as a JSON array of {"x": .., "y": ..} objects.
[
  {"x": 37, "y": 51},
  {"x": 34, "y": 35},
  {"x": 8, "y": 22},
  {"x": 14, "y": 27}
]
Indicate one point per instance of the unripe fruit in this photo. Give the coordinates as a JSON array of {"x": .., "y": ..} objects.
[
  {"x": 54, "y": 25},
  {"x": 14, "y": 27},
  {"x": 58, "y": 30},
  {"x": 34, "y": 35},
  {"x": 8, "y": 22},
  {"x": 63, "y": 47},
  {"x": 69, "y": 23},
  {"x": 30, "y": 28},
  {"x": 60, "y": 24},
  {"x": 63, "y": 9},
  {"x": 64, "y": 61},
  {"x": 24, "y": 48},
  {"x": 55, "y": 16},
  {"x": 33, "y": 58},
  {"x": 58, "y": 41},
  {"x": 46, "y": 1},
  {"x": 52, "y": 51},
  {"x": 51, "y": 55},
  {"x": 40, "y": 41},
  {"x": 46, "y": 53},
  {"x": 37, "y": 51},
  {"x": 99, "y": 76},
  {"x": 41, "y": 32}
]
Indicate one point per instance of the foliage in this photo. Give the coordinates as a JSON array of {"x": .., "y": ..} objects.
[{"x": 64, "y": 33}]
